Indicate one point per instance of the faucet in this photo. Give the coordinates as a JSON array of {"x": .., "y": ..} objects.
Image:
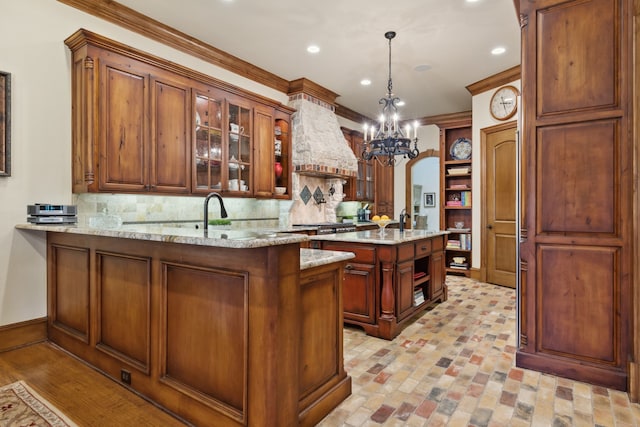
[
  {"x": 403, "y": 215},
  {"x": 223, "y": 211}
]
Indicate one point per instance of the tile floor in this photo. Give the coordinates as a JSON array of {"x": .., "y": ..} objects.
[{"x": 455, "y": 366}]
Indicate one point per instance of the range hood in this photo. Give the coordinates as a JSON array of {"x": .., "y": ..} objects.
[{"x": 319, "y": 147}]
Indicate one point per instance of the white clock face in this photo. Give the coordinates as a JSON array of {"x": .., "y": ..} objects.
[{"x": 504, "y": 103}]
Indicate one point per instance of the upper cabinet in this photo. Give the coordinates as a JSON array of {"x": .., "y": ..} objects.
[
  {"x": 145, "y": 125},
  {"x": 361, "y": 187}
]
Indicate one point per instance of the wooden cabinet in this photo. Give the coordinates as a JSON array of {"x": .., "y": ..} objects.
[
  {"x": 218, "y": 336},
  {"x": 142, "y": 142},
  {"x": 361, "y": 187},
  {"x": 373, "y": 182},
  {"x": 383, "y": 197},
  {"x": 282, "y": 152},
  {"x": 385, "y": 285},
  {"x": 359, "y": 286},
  {"x": 142, "y": 124},
  {"x": 264, "y": 177},
  {"x": 170, "y": 141},
  {"x": 456, "y": 197},
  {"x": 577, "y": 252},
  {"x": 208, "y": 141}
]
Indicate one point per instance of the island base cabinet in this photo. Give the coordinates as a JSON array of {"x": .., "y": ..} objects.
[
  {"x": 206, "y": 335},
  {"x": 387, "y": 284}
]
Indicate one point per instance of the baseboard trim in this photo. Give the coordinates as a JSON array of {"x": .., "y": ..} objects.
[{"x": 21, "y": 334}]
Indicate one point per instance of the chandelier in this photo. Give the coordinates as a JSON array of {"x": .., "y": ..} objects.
[{"x": 387, "y": 141}]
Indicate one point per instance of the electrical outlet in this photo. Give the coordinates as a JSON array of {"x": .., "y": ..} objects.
[{"x": 125, "y": 376}]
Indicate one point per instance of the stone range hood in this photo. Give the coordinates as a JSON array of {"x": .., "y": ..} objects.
[{"x": 318, "y": 145}]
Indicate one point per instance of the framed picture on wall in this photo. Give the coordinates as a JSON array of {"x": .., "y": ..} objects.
[
  {"x": 5, "y": 124},
  {"x": 429, "y": 200}
]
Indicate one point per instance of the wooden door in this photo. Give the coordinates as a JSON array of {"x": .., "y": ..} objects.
[
  {"x": 263, "y": 176},
  {"x": 577, "y": 247},
  {"x": 383, "y": 189},
  {"x": 170, "y": 137},
  {"x": 124, "y": 140},
  {"x": 500, "y": 204},
  {"x": 404, "y": 283}
]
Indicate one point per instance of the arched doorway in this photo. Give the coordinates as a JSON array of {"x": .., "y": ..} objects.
[{"x": 416, "y": 204}]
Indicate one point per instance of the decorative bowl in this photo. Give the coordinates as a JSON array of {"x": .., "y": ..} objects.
[
  {"x": 281, "y": 190},
  {"x": 459, "y": 259},
  {"x": 458, "y": 224}
]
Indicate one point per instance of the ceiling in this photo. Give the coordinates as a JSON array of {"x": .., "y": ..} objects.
[{"x": 453, "y": 38}]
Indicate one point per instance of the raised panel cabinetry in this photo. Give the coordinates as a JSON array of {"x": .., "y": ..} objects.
[
  {"x": 577, "y": 266},
  {"x": 373, "y": 182},
  {"x": 386, "y": 284},
  {"x": 383, "y": 197},
  {"x": 361, "y": 187},
  {"x": 456, "y": 198},
  {"x": 170, "y": 120},
  {"x": 135, "y": 117}
]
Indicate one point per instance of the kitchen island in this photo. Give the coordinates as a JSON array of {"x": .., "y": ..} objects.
[
  {"x": 394, "y": 275},
  {"x": 240, "y": 328}
]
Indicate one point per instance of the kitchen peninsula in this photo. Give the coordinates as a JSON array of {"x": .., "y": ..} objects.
[
  {"x": 394, "y": 275},
  {"x": 240, "y": 328}
]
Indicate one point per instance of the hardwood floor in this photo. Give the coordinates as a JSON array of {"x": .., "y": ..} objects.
[{"x": 83, "y": 394}]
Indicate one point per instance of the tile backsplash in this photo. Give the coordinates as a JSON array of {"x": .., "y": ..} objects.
[{"x": 243, "y": 212}]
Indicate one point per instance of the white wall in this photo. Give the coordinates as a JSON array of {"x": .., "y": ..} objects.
[{"x": 33, "y": 51}]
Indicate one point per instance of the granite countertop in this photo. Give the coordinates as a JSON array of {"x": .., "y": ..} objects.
[
  {"x": 249, "y": 238},
  {"x": 390, "y": 237},
  {"x": 315, "y": 257}
]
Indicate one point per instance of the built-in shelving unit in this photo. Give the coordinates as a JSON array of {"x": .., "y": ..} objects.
[{"x": 456, "y": 196}]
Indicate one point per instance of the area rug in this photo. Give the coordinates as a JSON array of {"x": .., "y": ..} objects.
[{"x": 21, "y": 406}]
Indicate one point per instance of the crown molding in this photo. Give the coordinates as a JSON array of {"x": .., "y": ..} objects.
[
  {"x": 304, "y": 85},
  {"x": 350, "y": 114},
  {"x": 125, "y": 17},
  {"x": 497, "y": 80}
]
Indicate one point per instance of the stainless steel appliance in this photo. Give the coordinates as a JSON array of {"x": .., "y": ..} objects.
[{"x": 44, "y": 213}]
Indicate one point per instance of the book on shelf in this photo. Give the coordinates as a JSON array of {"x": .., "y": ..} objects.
[
  {"x": 459, "y": 186},
  {"x": 459, "y": 264},
  {"x": 465, "y": 242},
  {"x": 459, "y": 230},
  {"x": 418, "y": 275},
  {"x": 418, "y": 296},
  {"x": 454, "y": 202},
  {"x": 453, "y": 244},
  {"x": 465, "y": 198}
]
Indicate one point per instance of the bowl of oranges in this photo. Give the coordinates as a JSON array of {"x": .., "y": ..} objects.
[{"x": 382, "y": 221}]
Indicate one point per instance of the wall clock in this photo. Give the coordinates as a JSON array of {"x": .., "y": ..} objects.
[{"x": 504, "y": 103}]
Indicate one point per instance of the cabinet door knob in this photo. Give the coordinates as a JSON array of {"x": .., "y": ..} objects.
[
  {"x": 489, "y": 226},
  {"x": 423, "y": 248},
  {"x": 348, "y": 267}
]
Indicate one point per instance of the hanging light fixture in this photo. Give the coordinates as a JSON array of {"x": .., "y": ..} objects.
[{"x": 388, "y": 140}]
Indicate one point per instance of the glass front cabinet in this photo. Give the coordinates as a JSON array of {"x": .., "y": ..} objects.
[{"x": 241, "y": 148}]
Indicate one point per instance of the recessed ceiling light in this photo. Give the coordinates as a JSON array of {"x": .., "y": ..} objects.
[
  {"x": 498, "y": 50},
  {"x": 422, "y": 67},
  {"x": 365, "y": 82},
  {"x": 472, "y": 1},
  {"x": 313, "y": 49}
]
